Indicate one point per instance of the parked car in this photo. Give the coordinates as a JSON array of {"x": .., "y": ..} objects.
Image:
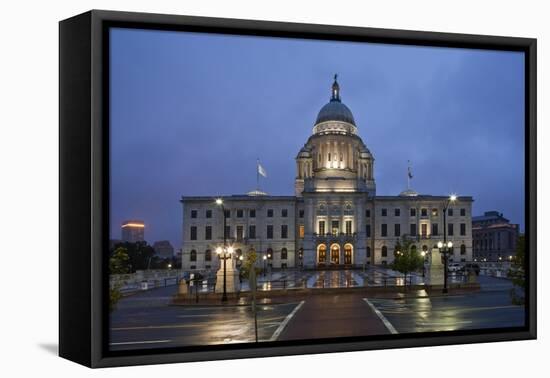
[
  {"x": 455, "y": 267},
  {"x": 472, "y": 266}
]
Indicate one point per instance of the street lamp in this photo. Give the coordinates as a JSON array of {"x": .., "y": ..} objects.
[
  {"x": 264, "y": 258},
  {"x": 225, "y": 249},
  {"x": 446, "y": 246}
]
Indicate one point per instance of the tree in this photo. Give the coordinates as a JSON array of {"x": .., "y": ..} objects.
[
  {"x": 517, "y": 272},
  {"x": 118, "y": 264},
  {"x": 119, "y": 261},
  {"x": 249, "y": 262},
  {"x": 406, "y": 259},
  {"x": 141, "y": 256}
]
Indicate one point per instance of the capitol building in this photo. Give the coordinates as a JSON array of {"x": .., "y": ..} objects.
[{"x": 335, "y": 217}]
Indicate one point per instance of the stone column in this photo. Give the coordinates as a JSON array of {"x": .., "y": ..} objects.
[{"x": 436, "y": 269}]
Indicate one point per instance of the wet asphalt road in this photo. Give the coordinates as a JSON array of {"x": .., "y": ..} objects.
[
  {"x": 489, "y": 308},
  {"x": 146, "y": 320}
]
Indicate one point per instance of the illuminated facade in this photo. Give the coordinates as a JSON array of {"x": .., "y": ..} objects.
[
  {"x": 133, "y": 231},
  {"x": 334, "y": 218}
]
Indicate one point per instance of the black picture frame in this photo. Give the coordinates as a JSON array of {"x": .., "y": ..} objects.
[{"x": 84, "y": 186}]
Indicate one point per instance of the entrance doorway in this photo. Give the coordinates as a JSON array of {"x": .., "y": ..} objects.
[
  {"x": 335, "y": 254},
  {"x": 348, "y": 253},
  {"x": 321, "y": 254}
]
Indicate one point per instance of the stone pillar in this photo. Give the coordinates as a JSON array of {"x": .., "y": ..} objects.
[
  {"x": 182, "y": 287},
  {"x": 232, "y": 277},
  {"x": 436, "y": 270}
]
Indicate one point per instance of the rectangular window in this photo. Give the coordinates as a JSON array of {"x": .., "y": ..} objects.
[
  {"x": 450, "y": 212},
  {"x": 193, "y": 232},
  {"x": 413, "y": 212},
  {"x": 301, "y": 213},
  {"x": 284, "y": 231},
  {"x": 384, "y": 229},
  {"x": 367, "y": 213},
  {"x": 252, "y": 213},
  {"x": 397, "y": 229},
  {"x": 240, "y": 233},
  {"x": 348, "y": 227},
  {"x": 462, "y": 212},
  {"x": 321, "y": 227},
  {"x": 435, "y": 230},
  {"x": 335, "y": 229},
  {"x": 384, "y": 212},
  {"x": 240, "y": 213},
  {"x": 209, "y": 213},
  {"x": 193, "y": 213},
  {"x": 227, "y": 232},
  {"x": 450, "y": 229},
  {"x": 367, "y": 230},
  {"x": 413, "y": 229},
  {"x": 208, "y": 233},
  {"x": 301, "y": 231},
  {"x": 434, "y": 212},
  {"x": 423, "y": 212},
  {"x": 397, "y": 212},
  {"x": 463, "y": 229},
  {"x": 227, "y": 213},
  {"x": 284, "y": 213},
  {"x": 424, "y": 229},
  {"x": 270, "y": 231},
  {"x": 270, "y": 213},
  {"x": 252, "y": 232}
]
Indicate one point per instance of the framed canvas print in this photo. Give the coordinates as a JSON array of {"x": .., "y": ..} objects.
[{"x": 234, "y": 188}]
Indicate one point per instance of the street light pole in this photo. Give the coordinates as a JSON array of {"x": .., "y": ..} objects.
[
  {"x": 219, "y": 202},
  {"x": 451, "y": 199}
]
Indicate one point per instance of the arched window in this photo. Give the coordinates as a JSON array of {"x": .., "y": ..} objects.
[
  {"x": 284, "y": 254},
  {"x": 384, "y": 251},
  {"x": 208, "y": 255},
  {"x": 425, "y": 248},
  {"x": 462, "y": 249},
  {"x": 193, "y": 255},
  {"x": 322, "y": 253}
]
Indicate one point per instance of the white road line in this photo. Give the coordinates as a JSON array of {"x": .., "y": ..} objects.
[
  {"x": 386, "y": 322},
  {"x": 141, "y": 342},
  {"x": 285, "y": 322},
  {"x": 196, "y": 316}
]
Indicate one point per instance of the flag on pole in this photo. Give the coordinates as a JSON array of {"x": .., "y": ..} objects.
[
  {"x": 261, "y": 170},
  {"x": 409, "y": 170}
]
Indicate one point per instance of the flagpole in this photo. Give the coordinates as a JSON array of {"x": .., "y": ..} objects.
[
  {"x": 408, "y": 174},
  {"x": 258, "y": 174}
]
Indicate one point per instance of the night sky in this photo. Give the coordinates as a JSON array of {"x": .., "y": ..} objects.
[{"x": 191, "y": 113}]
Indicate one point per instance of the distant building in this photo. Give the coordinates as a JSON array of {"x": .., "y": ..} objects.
[
  {"x": 133, "y": 231},
  {"x": 494, "y": 237},
  {"x": 163, "y": 249}
]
